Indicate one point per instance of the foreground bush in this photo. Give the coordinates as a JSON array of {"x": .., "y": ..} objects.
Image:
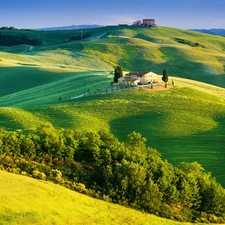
[{"x": 127, "y": 173}]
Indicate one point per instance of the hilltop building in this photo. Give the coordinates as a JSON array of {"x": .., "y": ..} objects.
[
  {"x": 145, "y": 23},
  {"x": 136, "y": 78},
  {"x": 137, "y": 23},
  {"x": 148, "y": 22}
]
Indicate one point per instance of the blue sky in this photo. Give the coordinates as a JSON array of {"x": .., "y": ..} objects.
[{"x": 183, "y": 14}]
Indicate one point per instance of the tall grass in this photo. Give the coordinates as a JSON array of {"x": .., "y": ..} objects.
[{"x": 27, "y": 201}]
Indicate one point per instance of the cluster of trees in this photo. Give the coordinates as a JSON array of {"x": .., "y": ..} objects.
[
  {"x": 11, "y": 40},
  {"x": 128, "y": 173},
  {"x": 8, "y": 28},
  {"x": 192, "y": 44},
  {"x": 14, "y": 28}
]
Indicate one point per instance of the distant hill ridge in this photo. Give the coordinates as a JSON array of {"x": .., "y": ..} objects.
[
  {"x": 72, "y": 27},
  {"x": 214, "y": 31}
]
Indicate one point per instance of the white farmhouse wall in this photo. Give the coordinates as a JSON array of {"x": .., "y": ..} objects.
[{"x": 135, "y": 78}]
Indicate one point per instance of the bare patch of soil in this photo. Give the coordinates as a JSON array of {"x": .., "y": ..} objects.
[{"x": 155, "y": 88}]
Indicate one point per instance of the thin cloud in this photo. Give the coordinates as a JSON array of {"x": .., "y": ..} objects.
[
  {"x": 123, "y": 19},
  {"x": 219, "y": 23}
]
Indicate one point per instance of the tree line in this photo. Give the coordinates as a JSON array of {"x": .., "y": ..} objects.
[
  {"x": 128, "y": 173},
  {"x": 11, "y": 40}
]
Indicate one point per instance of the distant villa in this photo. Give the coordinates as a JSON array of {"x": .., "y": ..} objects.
[
  {"x": 145, "y": 23},
  {"x": 139, "y": 23}
]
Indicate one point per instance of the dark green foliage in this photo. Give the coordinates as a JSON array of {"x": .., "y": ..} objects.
[
  {"x": 118, "y": 73},
  {"x": 190, "y": 43},
  {"x": 8, "y": 28},
  {"x": 165, "y": 77},
  {"x": 127, "y": 173},
  {"x": 11, "y": 40}
]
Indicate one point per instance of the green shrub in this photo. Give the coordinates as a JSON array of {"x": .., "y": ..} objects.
[
  {"x": 56, "y": 176},
  {"x": 38, "y": 175},
  {"x": 129, "y": 173}
]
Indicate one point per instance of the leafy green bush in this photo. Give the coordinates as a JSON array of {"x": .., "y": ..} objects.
[
  {"x": 190, "y": 43},
  {"x": 128, "y": 173},
  {"x": 39, "y": 175}
]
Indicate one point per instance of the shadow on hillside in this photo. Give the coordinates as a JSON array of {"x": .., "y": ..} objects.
[
  {"x": 15, "y": 79},
  {"x": 9, "y": 123},
  {"x": 179, "y": 66},
  {"x": 176, "y": 63},
  {"x": 134, "y": 60},
  {"x": 147, "y": 38},
  {"x": 207, "y": 148}
]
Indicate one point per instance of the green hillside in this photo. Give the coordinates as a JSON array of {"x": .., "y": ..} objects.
[
  {"x": 183, "y": 124},
  {"x": 135, "y": 49},
  {"x": 65, "y": 83},
  {"x": 32, "y": 82},
  {"x": 27, "y": 201},
  {"x": 48, "y": 67}
]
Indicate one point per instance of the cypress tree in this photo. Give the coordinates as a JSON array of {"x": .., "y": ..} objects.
[
  {"x": 165, "y": 77},
  {"x": 118, "y": 73}
]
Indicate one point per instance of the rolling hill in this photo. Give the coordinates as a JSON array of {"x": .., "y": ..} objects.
[
  {"x": 219, "y": 32},
  {"x": 45, "y": 83},
  {"x": 33, "y": 81},
  {"x": 72, "y": 27},
  {"x": 135, "y": 49},
  {"x": 27, "y": 201}
]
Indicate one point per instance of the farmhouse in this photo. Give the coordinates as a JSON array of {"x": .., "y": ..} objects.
[
  {"x": 136, "y": 78},
  {"x": 148, "y": 22},
  {"x": 145, "y": 23}
]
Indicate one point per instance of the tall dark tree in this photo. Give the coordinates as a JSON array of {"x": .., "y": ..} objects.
[
  {"x": 118, "y": 73},
  {"x": 165, "y": 77}
]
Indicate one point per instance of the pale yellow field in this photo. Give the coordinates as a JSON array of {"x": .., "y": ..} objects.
[{"x": 28, "y": 201}]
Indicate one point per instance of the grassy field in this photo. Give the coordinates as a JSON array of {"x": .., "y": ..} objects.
[
  {"x": 70, "y": 84},
  {"x": 182, "y": 124},
  {"x": 186, "y": 123},
  {"x": 155, "y": 49},
  {"x": 27, "y": 201},
  {"x": 135, "y": 49}
]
